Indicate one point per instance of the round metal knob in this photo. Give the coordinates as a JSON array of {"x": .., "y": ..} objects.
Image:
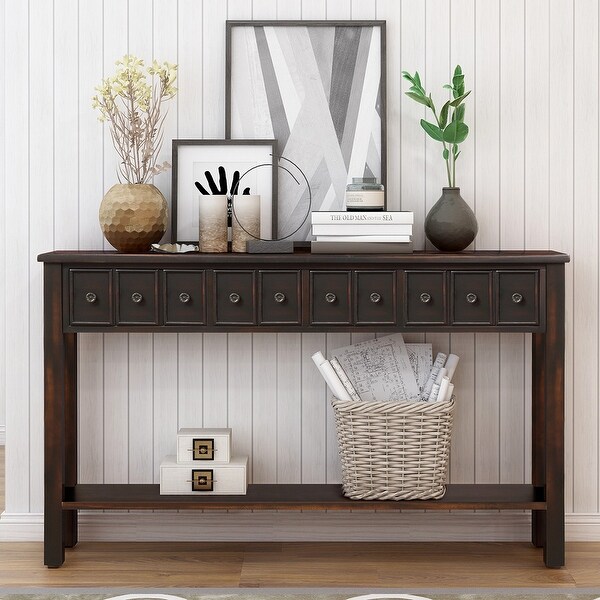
[
  {"x": 91, "y": 297},
  {"x": 184, "y": 297},
  {"x": 234, "y": 297},
  {"x": 375, "y": 297},
  {"x": 425, "y": 297},
  {"x": 330, "y": 297},
  {"x": 137, "y": 297},
  {"x": 471, "y": 298},
  {"x": 517, "y": 298},
  {"x": 279, "y": 297}
]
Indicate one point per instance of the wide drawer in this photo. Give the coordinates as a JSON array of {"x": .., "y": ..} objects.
[
  {"x": 202, "y": 445},
  {"x": 208, "y": 479}
]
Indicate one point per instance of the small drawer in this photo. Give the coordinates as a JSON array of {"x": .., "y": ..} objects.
[
  {"x": 202, "y": 445},
  {"x": 90, "y": 297},
  {"x": 471, "y": 298},
  {"x": 137, "y": 297},
  {"x": 279, "y": 299},
  {"x": 425, "y": 297},
  {"x": 375, "y": 297},
  {"x": 234, "y": 298},
  {"x": 184, "y": 294},
  {"x": 518, "y": 297},
  {"x": 208, "y": 479},
  {"x": 330, "y": 297}
]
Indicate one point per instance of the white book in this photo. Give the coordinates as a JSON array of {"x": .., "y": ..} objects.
[
  {"x": 364, "y": 238},
  {"x": 362, "y": 229},
  {"x": 350, "y": 217}
]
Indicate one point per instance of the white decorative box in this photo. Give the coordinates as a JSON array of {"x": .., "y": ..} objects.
[
  {"x": 209, "y": 479},
  {"x": 203, "y": 445}
]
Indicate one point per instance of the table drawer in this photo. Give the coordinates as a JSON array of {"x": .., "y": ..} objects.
[
  {"x": 330, "y": 297},
  {"x": 184, "y": 297},
  {"x": 471, "y": 297},
  {"x": 518, "y": 297},
  {"x": 234, "y": 298},
  {"x": 425, "y": 297},
  {"x": 375, "y": 297},
  {"x": 279, "y": 297},
  {"x": 137, "y": 297},
  {"x": 90, "y": 297}
]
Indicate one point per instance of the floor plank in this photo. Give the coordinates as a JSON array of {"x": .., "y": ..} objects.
[{"x": 264, "y": 565}]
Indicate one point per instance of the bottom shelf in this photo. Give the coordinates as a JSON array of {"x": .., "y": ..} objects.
[{"x": 301, "y": 497}]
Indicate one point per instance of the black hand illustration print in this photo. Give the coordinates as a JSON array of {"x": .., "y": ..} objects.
[{"x": 222, "y": 187}]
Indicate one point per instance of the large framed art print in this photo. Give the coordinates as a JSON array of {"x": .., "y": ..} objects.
[{"x": 318, "y": 88}]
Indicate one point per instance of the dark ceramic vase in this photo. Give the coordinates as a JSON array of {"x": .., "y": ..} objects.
[{"x": 451, "y": 225}]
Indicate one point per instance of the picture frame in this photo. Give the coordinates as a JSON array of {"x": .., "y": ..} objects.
[
  {"x": 319, "y": 88},
  {"x": 192, "y": 157}
]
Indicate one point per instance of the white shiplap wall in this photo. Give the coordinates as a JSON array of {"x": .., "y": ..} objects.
[{"x": 529, "y": 169}]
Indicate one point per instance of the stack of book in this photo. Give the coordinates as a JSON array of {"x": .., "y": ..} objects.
[{"x": 362, "y": 232}]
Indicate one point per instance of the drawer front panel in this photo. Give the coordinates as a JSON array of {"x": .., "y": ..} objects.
[
  {"x": 330, "y": 297},
  {"x": 518, "y": 297},
  {"x": 471, "y": 297},
  {"x": 204, "y": 480},
  {"x": 184, "y": 297},
  {"x": 280, "y": 297},
  {"x": 90, "y": 297},
  {"x": 375, "y": 297},
  {"x": 137, "y": 297},
  {"x": 234, "y": 298},
  {"x": 425, "y": 297}
]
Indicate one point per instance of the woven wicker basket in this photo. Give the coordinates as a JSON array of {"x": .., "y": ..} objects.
[{"x": 394, "y": 450}]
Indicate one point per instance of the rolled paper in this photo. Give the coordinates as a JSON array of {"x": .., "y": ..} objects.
[
  {"x": 443, "y": 391},
  {"x": 435, "y": 390},
  {"x": 451, "y": 364},
  {"x": 438, "y": 363},
  {"x": 330, "y": 377},
  {"x": 443, "y": 373},
  {"x": 450, "y": 392},
  {"x": 440, "y": 359}
]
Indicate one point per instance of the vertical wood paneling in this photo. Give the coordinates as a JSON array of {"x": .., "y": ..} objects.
[
  {"x": 3, "y": 282},
  {"x": 239, "y": 394},
  {"x": 17, "y": 172},
  {"x": 314, "y": 398},
  {"x": 585, "y": 258},
  {"x": 289, "y": 408},
  {"x": 462, "y": 52},
  {"x": 513, "y": 410},
  {"x": 412, "y": 138},
  {"x": 140, "y": 417},
  {"x": 41, "y": 234},
  {"x": 560, "y": 228},
  {"x": 264, "y": 408},
  {"x": 529, "y": 168}
]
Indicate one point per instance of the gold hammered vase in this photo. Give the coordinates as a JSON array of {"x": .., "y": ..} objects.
[{"x": 133, "y": 216}]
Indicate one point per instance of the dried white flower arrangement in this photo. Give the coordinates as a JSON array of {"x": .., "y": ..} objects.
[{"x": 132, "y": 107}]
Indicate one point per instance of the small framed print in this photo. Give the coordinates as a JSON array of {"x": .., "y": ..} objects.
[
  {"x": 202, "y": 480},
  {"x": 215, "y": 166},
  {"x": 203, "y": 449}
]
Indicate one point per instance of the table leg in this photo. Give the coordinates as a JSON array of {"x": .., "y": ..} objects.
[
  {"x": 54, "y": 417},
  {"x": 548, "y": 421},
  {"x": 70, "y": 516}
]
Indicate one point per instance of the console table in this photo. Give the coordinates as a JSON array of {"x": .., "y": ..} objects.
[{"x": 302, "y": 292}]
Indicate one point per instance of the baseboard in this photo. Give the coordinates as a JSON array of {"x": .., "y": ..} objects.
[
  {"x": 2, "y": 435},
  {"x": 307, "y": 526}
]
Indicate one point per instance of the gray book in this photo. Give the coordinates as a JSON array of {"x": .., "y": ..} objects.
[{"x": 361, "y": 247}]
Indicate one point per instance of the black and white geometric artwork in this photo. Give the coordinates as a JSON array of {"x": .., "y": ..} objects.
[{"x": 318, "y": 88}]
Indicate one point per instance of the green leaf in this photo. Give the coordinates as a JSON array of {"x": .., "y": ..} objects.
[
  {"x": 457, "y": 70},
  {"x": 454, "y": 149},
  {"x": 416, "y": 90},
  {"x": 407, "y": 76},
  {"x": 417, "y": 79},
  {"x": 431, "y": 104},
  {"x": 445, "y": 154},
  {"x": 459, "y": 113},
  {"x": 456, "y": 155},
  {"x": 432, "y": 130},
  {"x": 418, "y": 98},
  {"x": 456, "y": 132},
  {"x": 458, "y": 100},
  {"x": 448, "y": 87},
  {"x": 444, "y": 115}
]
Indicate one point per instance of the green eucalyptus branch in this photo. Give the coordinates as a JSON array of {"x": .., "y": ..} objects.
[{"x": 449, "y": 127}]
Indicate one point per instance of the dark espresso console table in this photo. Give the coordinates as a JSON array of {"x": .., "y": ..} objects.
[{"x": 302, "y": 292}]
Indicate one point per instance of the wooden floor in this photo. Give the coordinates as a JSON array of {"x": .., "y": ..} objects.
[{"x": 414, "y": 565}]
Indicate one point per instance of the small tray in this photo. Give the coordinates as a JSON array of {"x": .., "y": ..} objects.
[{"x": 174, "y": 248}]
